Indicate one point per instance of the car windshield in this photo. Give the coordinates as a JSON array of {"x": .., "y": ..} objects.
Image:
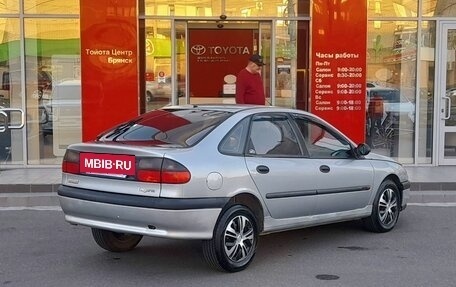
[
  {"x": 167, "y": 127},
  {"x": 389, "y": 96}
]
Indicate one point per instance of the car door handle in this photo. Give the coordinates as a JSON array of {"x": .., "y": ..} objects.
[
  {"x": 324, "y": 169},
  {"x": 262, "y": 169}
]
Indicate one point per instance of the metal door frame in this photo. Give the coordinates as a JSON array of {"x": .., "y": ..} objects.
[
  {"x": 441, "y": 101},
  {"x": 246, "y": 24}
]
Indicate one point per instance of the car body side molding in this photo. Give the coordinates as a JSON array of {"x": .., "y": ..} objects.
[
  {"x": 142, "y": 201},
  {"x": 275, "y": 195},
  {"x": 343, "y": 189}
]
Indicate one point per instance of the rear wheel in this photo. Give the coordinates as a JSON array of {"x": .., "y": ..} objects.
[
  {"x": 385, "y": 211},
  {"x": 115, "y": 242},
  {"x": 234, "y": 243},
  {"x": 148, "y": 97}
]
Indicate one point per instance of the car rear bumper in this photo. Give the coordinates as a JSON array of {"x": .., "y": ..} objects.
[{"x": 158, "y": 217}]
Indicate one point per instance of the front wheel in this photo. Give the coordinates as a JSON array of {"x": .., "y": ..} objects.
[
  {"x": 115, "y": 242},
  {"x": 148, "y": 97},
  {"x": 385, "y": 211},
  {"x": 234, "y": 243}
]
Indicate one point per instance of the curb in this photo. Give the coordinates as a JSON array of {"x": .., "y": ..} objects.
[
  {"x": 29, "y": 199},
  {"x": 433, "y": 186},
  {"x": 28, "y": 188},
  {"x": 433, "y": 196}
]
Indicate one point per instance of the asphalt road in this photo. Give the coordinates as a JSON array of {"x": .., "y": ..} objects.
[{"x": 38, "y": 248}]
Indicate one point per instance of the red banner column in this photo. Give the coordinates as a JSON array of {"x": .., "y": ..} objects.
[
  {"x": 338, "y": 89},
  {"x": 109, "y": 66}
]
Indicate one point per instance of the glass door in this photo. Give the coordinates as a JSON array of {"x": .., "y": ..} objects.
[
  {"x": 181, "y": 67},
  {"x": 12, "y": 120},
  {"x": 12, "y": 131},
  {"x": 447, "y": 99},
  {"x": 265, "y": 38},
  {"x": 216, "y": 52}
]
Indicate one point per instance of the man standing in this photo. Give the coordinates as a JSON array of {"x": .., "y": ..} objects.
[
  {"x": 375, "y": 111},
  {"x": 249, "y": 84}
]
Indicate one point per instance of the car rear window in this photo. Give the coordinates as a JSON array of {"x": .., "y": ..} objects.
[{"x": 167, "y": 127}]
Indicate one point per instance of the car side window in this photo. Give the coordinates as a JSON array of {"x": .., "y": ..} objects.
[
  {"x": 321, "y": 142},
  {"x": 233, "y": 143},
  {"x": 272, "y": 136}
]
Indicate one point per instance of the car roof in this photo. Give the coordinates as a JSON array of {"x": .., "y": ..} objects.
[
  {"x": 235, "y": 108},
  {"x": 218, "y": 107},
  {"x": 373, "y": 86}
]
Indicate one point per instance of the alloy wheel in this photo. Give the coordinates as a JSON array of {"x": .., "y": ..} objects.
[
  {"x": 388, "y": 207},
  {"x": 239, "y": 238}
]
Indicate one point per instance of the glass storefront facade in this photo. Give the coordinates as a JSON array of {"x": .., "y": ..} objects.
[{"x": 40, "y": 64}]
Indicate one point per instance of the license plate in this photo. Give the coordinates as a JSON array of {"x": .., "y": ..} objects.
[{"x": 107, "y": 164}]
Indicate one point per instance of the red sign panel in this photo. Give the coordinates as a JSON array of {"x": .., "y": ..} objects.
[
  {"x": 107, "y": 164},
  {"x": 339, "y": 35},
  {"x": 109, "y": 64},
  {"x": 214, "y": 54}
]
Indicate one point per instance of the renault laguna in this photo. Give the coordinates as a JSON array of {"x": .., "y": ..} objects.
[{"x": 225, "y": 175}]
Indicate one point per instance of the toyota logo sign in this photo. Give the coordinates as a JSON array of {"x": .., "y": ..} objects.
[{"x": 198, "y": 50}]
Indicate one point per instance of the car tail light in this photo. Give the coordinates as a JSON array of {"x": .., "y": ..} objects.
[
  {"x": 159, "y": 170},
  {"x": 156, "y": 170},
  {"x": 70, "y": 163}
]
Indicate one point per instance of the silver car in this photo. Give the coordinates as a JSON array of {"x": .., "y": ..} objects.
[{"x": 225, "y": 175}]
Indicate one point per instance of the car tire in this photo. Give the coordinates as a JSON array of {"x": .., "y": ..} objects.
[
  {"x": 385, "y": 210},
  {"x": 148, "y": 97},
  {"x": 234, "y": 242},
  {"x": 115, "y": 242}
]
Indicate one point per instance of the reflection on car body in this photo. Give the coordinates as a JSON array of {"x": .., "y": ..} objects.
[
  {"x": 60, "y": 115},
  {"x": 161, "y": 89},
  {"x": 225, "y": 175},
  {"x": 46, "y": 117},
  {"x": 395, "y": 103}
]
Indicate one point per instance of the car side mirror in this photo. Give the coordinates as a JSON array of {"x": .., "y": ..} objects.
[{"x": 363, "y": 149}]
